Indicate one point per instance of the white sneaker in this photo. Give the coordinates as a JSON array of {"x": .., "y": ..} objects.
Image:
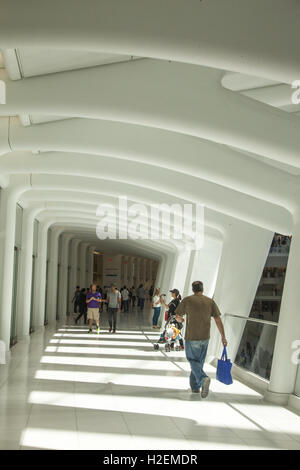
[{"x": 205, "y": 387}]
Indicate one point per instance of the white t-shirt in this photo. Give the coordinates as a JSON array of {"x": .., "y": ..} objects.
[
  {"x": 125, "y": 294},
  {"x": 155, "y": 299}
]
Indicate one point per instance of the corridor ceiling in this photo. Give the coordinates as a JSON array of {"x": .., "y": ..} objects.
[{"x": 162, "y": 101}]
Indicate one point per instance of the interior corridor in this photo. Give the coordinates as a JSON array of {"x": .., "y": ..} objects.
[{"x": 67, "y": 389}]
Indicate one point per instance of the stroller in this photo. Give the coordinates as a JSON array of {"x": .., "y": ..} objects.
[{"x": 172, "y": 335}]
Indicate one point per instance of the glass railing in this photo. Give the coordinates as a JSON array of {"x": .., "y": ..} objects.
[{"x": 255, "y": 341}]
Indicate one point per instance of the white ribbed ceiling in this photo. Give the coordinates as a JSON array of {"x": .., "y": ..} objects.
[{"x": 202, "y": 114}]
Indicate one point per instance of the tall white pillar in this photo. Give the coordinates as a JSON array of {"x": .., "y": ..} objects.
[
  {"x": 182, "y": 263},
  {"x": 160, "y": 271},
  {"x": 167, "y": 279},
  {"x": 25, "y": 278},
  {"x": 82, "y": 263},
  {"x": 89, "y": 280},
  {"x": 63, "y": 287},
  {"x": 52, "y": 275},
  {"x": 284, "y": 370},
  {"x": 8, "y": 227},
  {"x": 130, "y": 271},
  {"x": 73, "y": 271},
  {"x": 137, "y": 272},
  {"x": 125, "y": 271},
  {"x": 142, "y": 271},
  {"x": 41, "y": 266}
]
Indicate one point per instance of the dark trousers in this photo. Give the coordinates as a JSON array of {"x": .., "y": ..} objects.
[
  {"x": 76, "y": 304},
  {"x": 156, "y": 315},
  {"x": 84, "y": 313},
  {"x": 126, "y": 305},
  {"x": 142, "y": 301},
  {"x": 112, "y": 317}
]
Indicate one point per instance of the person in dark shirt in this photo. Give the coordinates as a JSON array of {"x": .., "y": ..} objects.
[
  {"x": 76, "y": 298},
  {"x": 93, "y": 300},
  {"x": 176, "y": 298},
  {"x": 82, "y": 306}
]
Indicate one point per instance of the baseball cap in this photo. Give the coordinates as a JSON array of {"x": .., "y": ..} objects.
[{"x": 175, "y": 291}]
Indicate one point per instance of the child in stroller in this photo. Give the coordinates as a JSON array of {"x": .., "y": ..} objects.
[
  {"x": 171, "y": 319},
  {"x": 171, "y": 335}
]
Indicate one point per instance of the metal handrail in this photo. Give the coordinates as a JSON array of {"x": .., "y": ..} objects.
[{"x": 256, "y": 320}]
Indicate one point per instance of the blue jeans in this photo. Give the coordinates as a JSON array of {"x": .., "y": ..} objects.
[
  {"x": 196, "y": 353},
  {"x": 156, "y": 315}
]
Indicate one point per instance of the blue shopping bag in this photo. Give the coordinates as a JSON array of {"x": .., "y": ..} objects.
[{"x": 224, "y": 369}]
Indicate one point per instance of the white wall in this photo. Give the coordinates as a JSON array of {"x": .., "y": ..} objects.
[{"x": 244, "y": 254}]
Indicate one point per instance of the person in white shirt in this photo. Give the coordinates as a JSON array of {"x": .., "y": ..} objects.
[
  {"x": 125, "y": 298},
  {"x": 156, "y": 303}
]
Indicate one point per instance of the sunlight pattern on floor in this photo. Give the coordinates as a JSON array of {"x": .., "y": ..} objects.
[{"x": 71, "y": 390}]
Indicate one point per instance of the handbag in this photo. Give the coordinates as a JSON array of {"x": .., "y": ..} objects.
[{"x": 224, "y": 369}]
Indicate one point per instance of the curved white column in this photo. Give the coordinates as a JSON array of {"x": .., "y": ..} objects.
[
  {"x": 53, "y": 276},
  {"x": 160, "y": 271},
  {"x": 89, "y": 280},
  {"x": 151, "y": 29},
  {"x": 168, "y": 275},
  {"x": 125, "y": 267},
  {"x": 9, "y": 198},
  {"x": 206, "y": 160},
  {"x": 41, "y": 266},
  {"x": 172, "y": 96},
  {"x": 73, "y": 271},
  {"x": 130, "y": 271},
  {"x": 181, "y": 269},
  {"x": 82, "y": 264},
  {"x": 138, "y": 179},
  {"x": 63, "y": 287},
  {"x": 284, "y": 370},
  {"x": 25, "y": 278}
]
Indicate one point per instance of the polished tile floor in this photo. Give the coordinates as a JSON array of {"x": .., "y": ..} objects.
[{"x": 67, "y": 389}]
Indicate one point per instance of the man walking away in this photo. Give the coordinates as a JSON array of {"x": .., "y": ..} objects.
[
  {"x": 142, "y": 296},
  {"x": 93, "y": 300},
  {"x": 82, "y": 306},
  {"x": 199, "y": 309},
  {"x": 76, "y": 299},
  {"x": 125, "y": 298},
  {"x": 133, "y": 296},
  {"x": 114, "y": 307}
]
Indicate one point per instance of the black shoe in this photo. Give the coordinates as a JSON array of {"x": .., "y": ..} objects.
[
  {"x": 109, "y": 330},
  {"x": 113, "y": 331},
  {"x": 195, "y": 391}
]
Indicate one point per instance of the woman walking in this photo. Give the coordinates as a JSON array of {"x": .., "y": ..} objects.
[
  {"x": 176, "y": 298},
  {"x": 156, "y": 303}
]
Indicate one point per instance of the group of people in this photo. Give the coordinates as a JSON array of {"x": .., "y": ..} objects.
[
  {"x": 197, "y": 308},
  {"x": 88, "y": 302}
]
